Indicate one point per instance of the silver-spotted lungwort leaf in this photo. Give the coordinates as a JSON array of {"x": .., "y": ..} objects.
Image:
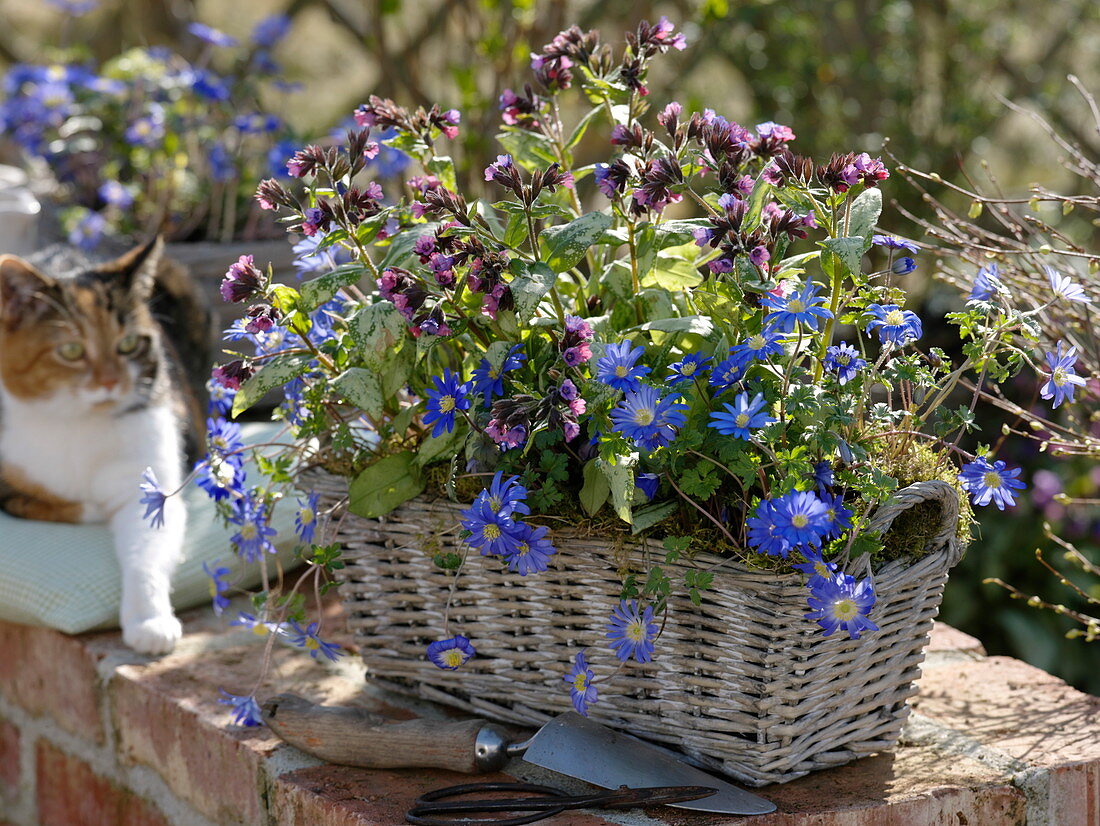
[
  {"x": 385, "y": 485},
  {"x": 378, "y": 329},
  {"x": 566, "y": 245},
  {"x": 529, "y": 286},
  {"x": 400, "y": 251},
  {"x": 620, "y": 479},
  {"x": 531, "y": 150},
  {"x": 849, "y": 250},
  {"x": 272, "y": 374},
  {"x": 866, "y": 209},
  {"x": 363, "y": 388},
  {"x": 699, "y": 324},
  {"x": 317, "y": 291}
]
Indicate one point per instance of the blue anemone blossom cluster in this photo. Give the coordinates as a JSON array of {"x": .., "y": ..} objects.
[
  {"x": 445, "y": 401},
  {"x": 803, "y": 307},
  {"x": 795, "y": 521},
  {"x": 495, "y": 530},
  {"x": 895, "y": 325},
  {"x": 632, "y": 631}
]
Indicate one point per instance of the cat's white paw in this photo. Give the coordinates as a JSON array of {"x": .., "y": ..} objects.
[{"x": 155, "y": 635}]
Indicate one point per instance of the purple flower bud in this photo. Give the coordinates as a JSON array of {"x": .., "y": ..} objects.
[
  {"x": 242, "y": 281},
  {"x": 568, "y": 390}
]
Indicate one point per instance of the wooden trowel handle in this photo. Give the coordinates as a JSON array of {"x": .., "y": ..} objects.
[{"x": 356, "y": 737}]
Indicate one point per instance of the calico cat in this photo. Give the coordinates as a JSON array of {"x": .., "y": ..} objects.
[{"x": 92, "y": 393}]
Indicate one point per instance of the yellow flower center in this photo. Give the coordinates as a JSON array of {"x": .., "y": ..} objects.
[
  {"x": 895, "y": 318},
  {"x": 643, "y": 416},
  {"x": 843, "y": 359},
  {"x": 742, "y": 420},
  {"x": 845, "y": 610},
  {"x": 796, "y": 305},
  {"x": 494, "y": 373},
  {"x": 992, "y": 479},
  {"x": 523, "y": 549},
  {"x": 800, "y": 520},
  {"x": 446, "y": 403},
  {"x": 495, "y": 502},
  {"x": 635, "y": 631},
  {"x": 757, "y": 342},
  {"x": 580, "y": 682},
  {"x": 491, "y": 531},
  {"x": 621, "y": 371},
  {"x": 306, "y": 516},
  {"x": 259, "y": 629},
  {"x": 220, "y": 442},
  {"x": 248, "y": 531},
  {"x": 687, "y": 368},
  {"x": 821, "y": 569},
  {"x": 453, "y": 658},
  {"x": 1060, "y": 376},
  {"x": 213, "y": 588},
  {"x": 311, "y": 644}
]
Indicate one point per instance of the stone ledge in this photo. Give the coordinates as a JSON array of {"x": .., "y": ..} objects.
[{"x": 991, "y": 741}]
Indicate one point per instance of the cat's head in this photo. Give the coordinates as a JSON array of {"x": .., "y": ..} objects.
[{"x": 86, "y": 336}]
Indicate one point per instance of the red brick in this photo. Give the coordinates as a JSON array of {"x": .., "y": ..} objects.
[
  {"x": 946, "y": 638},
  {"x": 1015, "y": 708},
  {"x": 48, "y": 673},
  {"x": 9, "y": 757},
  {"x": 71, "y": 793},
  {"x": 1075, "y": 794}
]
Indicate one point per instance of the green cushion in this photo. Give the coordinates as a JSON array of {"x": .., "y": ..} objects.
[{"x": 66, "y": 576}]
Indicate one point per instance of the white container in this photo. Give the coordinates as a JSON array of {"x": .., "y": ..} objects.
[{"x": 19, "y": 211}]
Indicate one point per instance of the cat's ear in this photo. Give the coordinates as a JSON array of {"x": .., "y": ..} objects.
[
  {"x": 24, "y": 291},
  {"x": 134, "y": 271}
]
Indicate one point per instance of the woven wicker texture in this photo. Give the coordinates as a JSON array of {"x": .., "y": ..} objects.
[{"x": 742, "y": 684}]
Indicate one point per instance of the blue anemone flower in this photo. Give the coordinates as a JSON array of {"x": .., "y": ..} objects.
[
  {"x": 987, "y": 482},
  {"x": 649, "y": 420},
  {"x": 687, "y": 368},
  {"x": 1063, "y": 377},
  {"x": 727, "y": 373},
  {"x": 758, "y": 348},
  {"x": 801, "y": 307},
  {"x": 246, "y": 711},
  {"x": 305, "y": 522},
  {"x": 763, "y": 532},
  {"x": 838, "y": 517},
  {"x": 1065, "y": 287},
  {"x": 506, "y": 497},
  {"x": 647, "y": 483},
  {"x": 451, "y": 653},
  {"x": 632, "y": 632},
  {"x": 815, "y": 567},
  {"x": 903, "y": 266},
  {"x": 895, "y": 325},
  {"x": 618, "y": 367},
  {"x": 488, "y": 381},
  {"x": 491, "y": 532},
  {"x": 153, "y": 498},
  {"x": 842, "y": 602},
  {"x": 532, "y": 551},
  {"x": 742, "y": 417},
  {"x": 984, "y": 288},
  {"x": 253, "y": 533},
  {"x": 579, "y": 679},
  {"x": 307, "y": 638},
  {"x": 801, "y": 518},
  {"x": 895, "y": 243},
  {"x": 448, "y": 397},
  {"x": 218, "y": 587},
  {"x": 844, "y": 360}
]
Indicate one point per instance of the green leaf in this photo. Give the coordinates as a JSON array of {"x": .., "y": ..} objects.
[
  {"x": 317, "y": 291},
  {"x": 274, "y": 373},
  {"x": 620, "y": 478},
  {"x": 362, "y": 388},
  {"x": 442, "y": 445},
  {"x": 530, "y": 150},
  {"x": 378, "y": 329},
  {"x": 388, "y": 483},
  {"x": 443, "y": 168},
  {"x": 849, "y": 250},
  {"x": 400, "y": 251},
  {"x": 566, "y": 245},
  {"x": 595, "y": 490},
  {"x": 698, "y": 324},
  {"x": 529, "y": 286},
  {"x": 866, "y": 209},
  {"x": 650, "y": 515},
  {"x": 675, "y": 271},
  {"x": 582, "y": 127},
  {"x": 516, "y": 232}
]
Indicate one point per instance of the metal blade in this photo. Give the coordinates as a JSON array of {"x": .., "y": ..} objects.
[{"x": 577, "y": 747}]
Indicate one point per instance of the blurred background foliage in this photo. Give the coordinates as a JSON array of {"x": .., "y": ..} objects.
[{"x": 931, "y": 76}]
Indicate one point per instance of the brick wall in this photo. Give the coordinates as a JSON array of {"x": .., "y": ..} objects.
[{"x": 94, "y": 735}]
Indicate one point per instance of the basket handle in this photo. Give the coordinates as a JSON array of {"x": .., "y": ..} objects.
[{"x": 915, "y": 494}]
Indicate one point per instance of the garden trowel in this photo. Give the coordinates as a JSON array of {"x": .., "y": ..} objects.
[{"x": 569, "y": 744}]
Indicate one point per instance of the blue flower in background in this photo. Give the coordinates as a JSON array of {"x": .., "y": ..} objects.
[
  {"x": 727, "y": 373},
  {"x": 491, "y": 532},
  {"x": 618, "y": 367},
  {"x": 1063, "y": 375},
  {"x": 579, "y": 679},
  {"x": 506, "y": 497},
  {"x": 650, "y": 421},
  {"x": 632, "y": 632},
  {"x": 153, "y": 498},
  {"x": 246, "y": 711},
  {"x": 844, "y": 360},
  {"x": 987, "y": 482},
  {"x": 147, "y": 130},
  {"x": 89, "y": 231},
  {"x": 74, "y": 8},
  {"x": 208, "y": 85},
  {"x": 838, "y": 517},
  {"x": 804, "y": 307},
  {"x": 742, "y": 417},
  {"x": 276, "y": 158},
  {"x": 270, "y": 30},
  {"x": 305, "y": 522},
  {"x": 823, "y": 476},
  {"x": 389, "y": 162},
  {"x": 253, "y": 536},
  {"x": 310, "y": 259},
  {"x": 451, "y": 653},
  {"x": 815, "y": 567},
  {"x": 842, "y": 602},
  {"x": 647, "y": 483},
  {"x": 218, "y": 587},
  {"x": 116, "y": 194},
  {"x": 757, "y": 348},
  {"x": 895, "y": 325},
  {"x": 687, "y": 368},
  {"x": 532, "y": 551},
  {"x": 1065, "y": 287},
  {"x": 444, "y": 401},
  {"x": 221, "y": 163},
  {"x": 903, "y": 266},
  {"x": 307, "y": 638},
  {"x": 221, "y": 399},
  {"x": 984, "y": 288},
  {"x": 208, "y": 34},
  {"x": 220, "y": 479}
]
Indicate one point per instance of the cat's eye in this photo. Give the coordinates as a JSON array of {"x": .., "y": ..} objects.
[
  {"x": 71, "y": 351},
  {"x": 129, "y": 343}
]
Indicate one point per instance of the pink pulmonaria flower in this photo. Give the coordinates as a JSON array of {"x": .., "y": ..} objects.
[{"x": 783, "y": 289}]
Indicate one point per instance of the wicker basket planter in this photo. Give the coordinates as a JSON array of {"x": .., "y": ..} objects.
[{"x": 743, "y": 684}]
